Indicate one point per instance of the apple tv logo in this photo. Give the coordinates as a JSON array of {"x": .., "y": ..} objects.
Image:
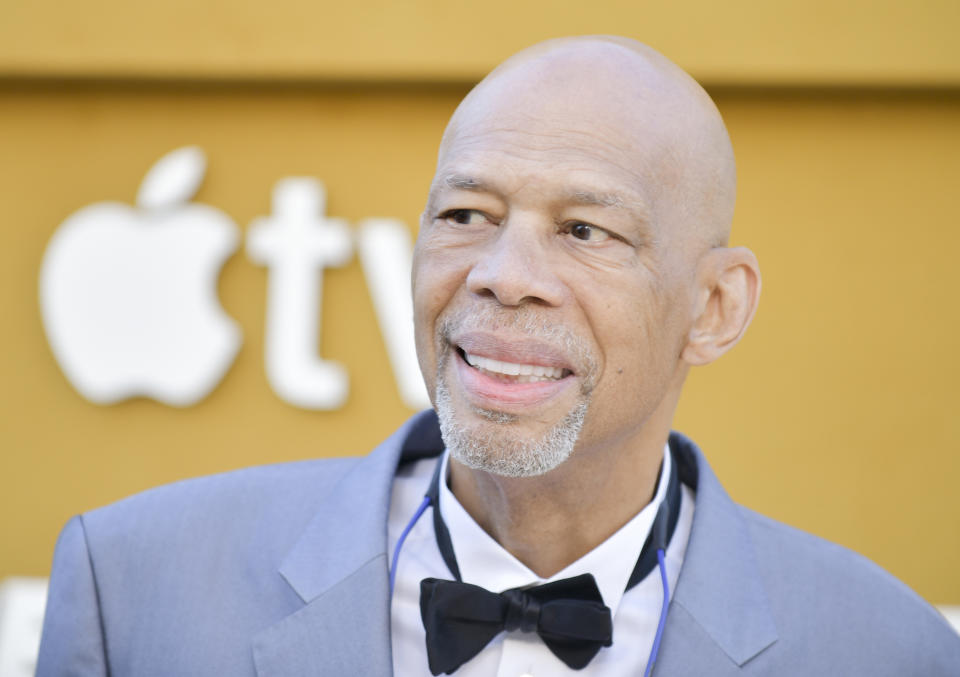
[{"x": 128, "y": 295}]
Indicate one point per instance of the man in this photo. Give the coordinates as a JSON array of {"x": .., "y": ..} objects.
[{"x": 572, "y": 264}]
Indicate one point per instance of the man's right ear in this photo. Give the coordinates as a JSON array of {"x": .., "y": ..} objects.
[{"x": 728, "y": 293}]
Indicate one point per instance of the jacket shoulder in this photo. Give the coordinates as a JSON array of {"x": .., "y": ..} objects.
[
  {"x": 206, "y": 549},
  {"x": 826, "y": 596},
  {"x": 264, "y": 505}
]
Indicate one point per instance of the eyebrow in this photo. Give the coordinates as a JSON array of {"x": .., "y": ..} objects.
[
  {"x": 634, "y": 205},
  {"x": 586, "y": 197},
  {"x": 464, "y": 182},
  {"x": 457, "y": 182}
]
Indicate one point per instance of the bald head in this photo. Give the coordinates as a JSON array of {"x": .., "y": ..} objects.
[{"x": 616, "y": 93}]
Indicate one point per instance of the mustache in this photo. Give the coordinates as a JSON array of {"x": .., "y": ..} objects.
[{"x": 523, "y": 322}]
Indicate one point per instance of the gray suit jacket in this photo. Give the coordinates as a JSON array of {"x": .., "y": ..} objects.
[{"x": 282, "y": 571}]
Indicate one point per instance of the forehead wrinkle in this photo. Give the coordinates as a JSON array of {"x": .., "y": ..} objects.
[
  {"x": 517, "y": 133},
  {"x": 579, "y": 196}
]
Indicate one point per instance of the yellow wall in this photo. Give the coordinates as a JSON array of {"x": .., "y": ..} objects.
[
  {"x": 837, "y": 414},
  {"x": 907, "y": 42}
]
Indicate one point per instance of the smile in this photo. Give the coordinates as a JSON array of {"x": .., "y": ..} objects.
[{"x": 510, "y": 386}]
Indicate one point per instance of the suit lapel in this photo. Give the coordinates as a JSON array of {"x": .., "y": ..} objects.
[
  {"x": 344, "y": 631},
  {"x": 719, "y": 616},
  {"x": 339, "y": 569}
]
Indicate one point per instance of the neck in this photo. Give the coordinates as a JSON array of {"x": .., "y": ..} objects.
[{"x": 550, "y": 521}]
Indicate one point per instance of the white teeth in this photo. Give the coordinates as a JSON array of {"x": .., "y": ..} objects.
[{"x": 526, "y": 373}]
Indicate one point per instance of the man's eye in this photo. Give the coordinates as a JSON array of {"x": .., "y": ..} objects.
[
  {"x": 465, "y": 217},
  {"x": 588, "y": 233}
]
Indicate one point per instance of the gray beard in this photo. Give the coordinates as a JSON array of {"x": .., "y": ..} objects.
[{"x": 497, "y": 449}]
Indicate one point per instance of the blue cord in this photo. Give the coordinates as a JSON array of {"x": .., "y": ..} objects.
[
  {"x": 403, "y": 537},
  {"x": 663, "y": 614}
]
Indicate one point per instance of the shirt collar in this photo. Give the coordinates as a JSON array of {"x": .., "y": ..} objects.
[{"x": 484, "y": 562}]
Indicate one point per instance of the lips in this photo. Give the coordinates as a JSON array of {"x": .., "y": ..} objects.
[{"x": 509, "y": 374}]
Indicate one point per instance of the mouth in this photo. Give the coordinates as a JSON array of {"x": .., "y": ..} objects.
[
  {"x": 511, "y": 377},
  {"x": 513, "y": 372}
]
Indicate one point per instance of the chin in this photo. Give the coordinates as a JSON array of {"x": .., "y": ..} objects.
[{"x": 496, "y": 443}]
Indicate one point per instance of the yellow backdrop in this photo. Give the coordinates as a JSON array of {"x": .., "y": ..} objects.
[{"x": 838, "y": 413}]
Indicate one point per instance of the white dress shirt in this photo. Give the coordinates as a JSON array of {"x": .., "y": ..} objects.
[{"x": 484, "y": 562}]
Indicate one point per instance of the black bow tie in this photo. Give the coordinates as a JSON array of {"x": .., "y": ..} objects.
[{"x": 461, "y": 619}]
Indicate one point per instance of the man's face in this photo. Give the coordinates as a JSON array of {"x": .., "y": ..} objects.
[{"x": 551, "y": 299}]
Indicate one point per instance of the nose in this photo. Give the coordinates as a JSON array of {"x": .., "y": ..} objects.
[{"x": 515, "y": 268}]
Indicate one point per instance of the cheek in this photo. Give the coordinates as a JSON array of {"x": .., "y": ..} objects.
[
  {"x": 639, "y": 364},
  {"x": 638, "y": 335},
  {"x": 425, "y": 311},
  {"x": 435, "y": 282},
  {"x": 437, "y": 270}
]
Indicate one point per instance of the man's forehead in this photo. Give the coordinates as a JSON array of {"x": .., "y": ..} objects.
[
  {"x": 578, "y": 102},
  {"x": 619, "y": 101}
]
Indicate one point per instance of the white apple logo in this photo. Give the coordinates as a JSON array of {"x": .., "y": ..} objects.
[{"x": 129, "y": 296}]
